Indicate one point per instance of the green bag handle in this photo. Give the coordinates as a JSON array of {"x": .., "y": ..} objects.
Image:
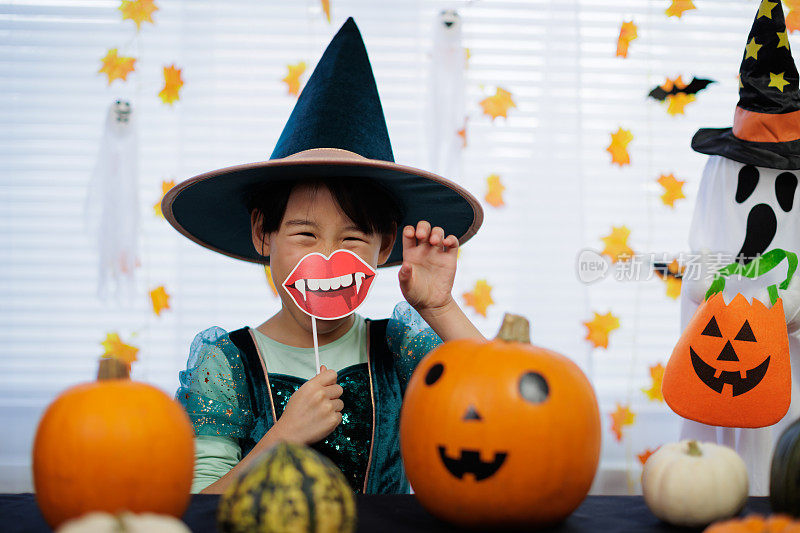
[{"x": 758, "y": 266}]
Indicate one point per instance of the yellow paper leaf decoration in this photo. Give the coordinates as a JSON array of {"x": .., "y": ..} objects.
[
  {"x": 292, "y": 79},
  {"x": 599, "y": 328},
  {"x": 160, "y": 299},
  {"x": 619, "y": 147},
  {"x": 617, "y": 244},
  {"x": 172, "y": 84},
  {"x": 621, "y": 417},
  {"x": 627, "y": 33},
  {"x": 494, "y": 193},
  {"x": 657, "y": 376},
  {"x": 138, "y": 11},
  {"x": 165, "y": 187},
  {"x": 678, "y": 7},
  {"x": 116, "y": 67},
  {"x": 114, "y": 347},
  {"x": 672, "y": 276},
  {"x": 480, "y": 298},
  {"x": 677, "y": 102},
  {"x": 673, "y": 189},
  {"x": 326, "y": 8},
  {"x": 498, "y": 104},
  {"x": 270, "y": 282}
]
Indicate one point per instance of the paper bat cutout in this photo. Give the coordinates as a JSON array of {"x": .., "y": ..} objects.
[
  {"x": 672, "y": 87},
  {"x": 330, "y": 287}
]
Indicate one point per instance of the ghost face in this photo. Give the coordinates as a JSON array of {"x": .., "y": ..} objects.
[{"x": 744, "y": 210}]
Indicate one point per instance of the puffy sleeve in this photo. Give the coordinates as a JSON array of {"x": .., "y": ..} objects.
[
  {"x": 410, "y": 339},
  {"x": 213, "y": 390}
]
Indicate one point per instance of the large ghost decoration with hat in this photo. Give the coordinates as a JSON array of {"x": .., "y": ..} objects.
[{"x": 746, "y": 206}]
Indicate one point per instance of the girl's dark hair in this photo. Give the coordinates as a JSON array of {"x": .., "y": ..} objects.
[{"x": 372, "y": 209}]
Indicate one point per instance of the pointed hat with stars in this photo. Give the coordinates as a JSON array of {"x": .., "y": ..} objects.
[
  {"x": 336, "y": 130},
  {"x": 766, "y": 124}
]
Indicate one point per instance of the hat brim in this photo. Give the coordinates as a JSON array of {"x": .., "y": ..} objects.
[
  {"x": 722, "y": 141},
  {"x": 210, "y": 208}
]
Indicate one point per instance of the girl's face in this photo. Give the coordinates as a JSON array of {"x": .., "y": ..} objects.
[{"x": 313, "y": 222}]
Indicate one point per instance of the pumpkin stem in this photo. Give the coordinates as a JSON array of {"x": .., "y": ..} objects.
[
  {"x": 515, "y": 328},
  {"x": 694, "y": 449},
  {"x": 112, "y": 368}
]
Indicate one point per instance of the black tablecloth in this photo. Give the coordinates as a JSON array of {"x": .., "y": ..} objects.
[{"x": 396, "y": 513}]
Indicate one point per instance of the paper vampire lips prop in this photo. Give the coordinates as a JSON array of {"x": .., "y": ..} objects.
[{"x": 330, "y": 287}]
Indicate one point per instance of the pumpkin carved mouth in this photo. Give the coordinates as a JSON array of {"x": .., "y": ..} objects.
[
  {"x": 470, "y": 463},
  {"x": 740, "y": 385}
]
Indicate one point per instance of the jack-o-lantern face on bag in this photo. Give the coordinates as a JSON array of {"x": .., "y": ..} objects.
[
  {"x": 497, "y": 433},
  {"x": 731, "y": 365}
]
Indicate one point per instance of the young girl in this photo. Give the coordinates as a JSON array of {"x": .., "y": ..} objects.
[{"x": 330, "y": 184}]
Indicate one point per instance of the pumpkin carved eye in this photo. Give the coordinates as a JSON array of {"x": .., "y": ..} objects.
[
  {"x": 712, "y": 329},
  {"x": 745, "y": 334},
  {"x": 533, "y": 387},
  {"x": 434, "y": 373}
]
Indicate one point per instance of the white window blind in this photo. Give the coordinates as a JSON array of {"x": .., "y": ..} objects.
[{"x": 562, "y": 194}]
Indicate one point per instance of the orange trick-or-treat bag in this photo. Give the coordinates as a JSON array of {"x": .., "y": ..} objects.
[{"x": 731, "y": 365}]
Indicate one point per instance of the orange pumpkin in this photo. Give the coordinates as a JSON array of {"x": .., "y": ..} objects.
[
  {"x": 731, "y": 365},
  {"x": 499, "y": 433},
  {"x": 112, "y": 445},
  {"x": 756, "y": 524}
]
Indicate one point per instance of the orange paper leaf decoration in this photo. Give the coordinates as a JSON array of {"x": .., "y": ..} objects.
[
  {"x": 645, "y": 455},
  {"x": 480, "y": 298},
  {"x": 172, "y": 84},
  {"x": 138, "y": 11},
  {"x": 498, "y": 104},
  {"x": 620, "y": 418},
  {"x": 114, "y": 347},
  {"x": 165, "y": 187},
  {"x": 627, "y": 33},
  {"x": 673, "y": 189},
  {"x": 116, "y": 67},
  {"x": 619, "y": 147},
  {"x": 598, "y": 329},
  {"x": 657, "y": 376},
  {"x": 617, "y": 244},
  {"x": 292, "y": 79},
  {"x": 793, "y": 16},
  {"x": 160, "y": 299},
  {"x": 494, "y": 194},
  {"x": 678, "y": 7}
]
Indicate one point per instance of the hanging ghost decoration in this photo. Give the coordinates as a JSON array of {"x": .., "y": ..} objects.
[
  {"x": 112, "y": 203},
  {"x": 447, "y": 114},
  {"x": 328, "y": 288},
  {"x": 747, "y": 206}
]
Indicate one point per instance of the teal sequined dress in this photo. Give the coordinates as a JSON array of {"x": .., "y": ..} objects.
[{"x": 235, "y": 397}]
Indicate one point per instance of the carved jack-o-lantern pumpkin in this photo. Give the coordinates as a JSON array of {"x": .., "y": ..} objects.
[
  {"x": 731, "y": 365},
  {"x": 499, "y": 433}
]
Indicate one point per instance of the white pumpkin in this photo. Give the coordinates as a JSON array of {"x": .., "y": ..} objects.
[
  {"x": 124, "y": 522},
  {"x": 692, "y": 483}
]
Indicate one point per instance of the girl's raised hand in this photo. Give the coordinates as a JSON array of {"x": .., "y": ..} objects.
[{"x": 429, "y": 266}]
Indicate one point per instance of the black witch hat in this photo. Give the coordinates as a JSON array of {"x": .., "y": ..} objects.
[
  {"x": 766, "y": 124},
  {"x": 337, "y": 129}
]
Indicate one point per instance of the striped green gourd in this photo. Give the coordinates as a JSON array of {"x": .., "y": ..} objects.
[
  {"x": 292, "y": 488},
  {"x": 784, "y": 482}
]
